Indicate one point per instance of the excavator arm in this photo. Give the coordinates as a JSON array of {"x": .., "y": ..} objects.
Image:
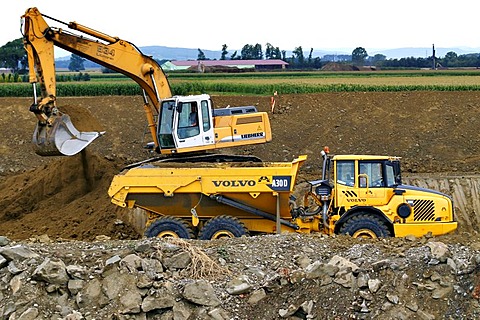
[{"x": 55, "y": 134}]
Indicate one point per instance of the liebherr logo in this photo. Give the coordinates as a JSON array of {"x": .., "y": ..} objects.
[{"x": 252, "y": 135}]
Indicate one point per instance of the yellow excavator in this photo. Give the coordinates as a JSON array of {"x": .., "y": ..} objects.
[{"x": 182, "y": 125}]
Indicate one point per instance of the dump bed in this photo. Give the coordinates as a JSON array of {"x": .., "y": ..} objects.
[{"x": 210, "y": 188}]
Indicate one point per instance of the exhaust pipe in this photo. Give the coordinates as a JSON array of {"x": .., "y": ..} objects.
[{"x": 61, "y": 138}]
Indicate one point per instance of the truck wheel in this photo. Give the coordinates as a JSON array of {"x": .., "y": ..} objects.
[
  {"x": 365, "y": 226},
  {"x": 169, "y": 227},
  {"x": 222, "y": 227}
]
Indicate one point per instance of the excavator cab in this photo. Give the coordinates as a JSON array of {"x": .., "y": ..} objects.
[{"x": 185, "y": 123}]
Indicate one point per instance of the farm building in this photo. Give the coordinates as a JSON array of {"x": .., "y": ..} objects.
[
  {"x": 224, "y": 65},
  {"x": 5, "y": 70}
]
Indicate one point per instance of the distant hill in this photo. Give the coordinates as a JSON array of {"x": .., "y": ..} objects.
[
  {"x": 169, "y": 53},
  {"x": 172, "y": 53}
]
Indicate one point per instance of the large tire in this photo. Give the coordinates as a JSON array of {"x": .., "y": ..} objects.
[
  {"x": 365, "y": 225},
  {"x": 169, "y": 227},
  {"x": 222, "y": 227}
]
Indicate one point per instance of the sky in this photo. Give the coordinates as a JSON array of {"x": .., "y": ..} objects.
[{"x": 318, "y": 24}]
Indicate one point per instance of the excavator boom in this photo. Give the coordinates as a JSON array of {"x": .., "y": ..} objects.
[{"x": 55, "y": 134}]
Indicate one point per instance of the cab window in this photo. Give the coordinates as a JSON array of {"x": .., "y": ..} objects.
[
  {"x": 370, "y": 174},
  {"x": 205, "y": 116},
  {"x": 188, "y": 121},
  {"x": 390, "y": 175},
  {"x": 345, "y": 172}
]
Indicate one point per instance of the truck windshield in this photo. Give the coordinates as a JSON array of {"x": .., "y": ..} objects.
[{"x": 392, "y": 173}]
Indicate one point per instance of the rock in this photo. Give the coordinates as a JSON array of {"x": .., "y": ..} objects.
[
  {"x": 201, "y": 292},
  {"x": 4, "y": 241},
  {"x": 257, "y": 296},
  {"x": 342, "y": 263},
  {"x": 130, "y": 301},
  {"x": 75, "y": 286},
  {"x": 362, "y": 280},
  {"x": 393, "y": 298},
  {"x": 344, "y": 278},
  {"x": 318, "y": 270},
  {"x": 3, "y": 261},
  {"x": 179, "y": 261},
  {"x": 51, "y": 271},
  {"x": 439, "y": 251},
  {"x": 287, "y": 312},
  {"x": 239, "y": 285},
  {"x": 18, "y": 252},
  {"x": 29, "y": 314},
  {"x": 441, "y": 292},
  {"x": 160, "y": 299},
  {"x": 374, "y": 285}
]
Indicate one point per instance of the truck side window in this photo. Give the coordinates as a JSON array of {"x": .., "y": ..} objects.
[
  {"x": 373, "y": 172},
  {"x": 345, "y": 172}
]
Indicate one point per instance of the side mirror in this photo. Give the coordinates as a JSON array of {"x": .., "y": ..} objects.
[{"x": 179, "y": 107}]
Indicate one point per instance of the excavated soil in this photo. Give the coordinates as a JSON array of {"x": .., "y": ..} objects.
[{"x": 434, "y": 132}]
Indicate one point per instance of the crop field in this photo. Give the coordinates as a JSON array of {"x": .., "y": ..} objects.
[{"x": 264, "y": 83}]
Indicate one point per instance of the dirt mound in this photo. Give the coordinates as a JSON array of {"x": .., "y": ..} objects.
[
  {"x": 66, "y": 198},
  {"x": 334, "y": 66}
]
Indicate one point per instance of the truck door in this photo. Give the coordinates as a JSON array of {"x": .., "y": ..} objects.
[
  {"x": 344, "y": 175},
  {"x": 370, "y": 183}
]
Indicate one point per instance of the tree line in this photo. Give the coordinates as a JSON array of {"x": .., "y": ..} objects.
[
  {"x": 13, "y": 56},
  {"x": 358, "y": 57}
]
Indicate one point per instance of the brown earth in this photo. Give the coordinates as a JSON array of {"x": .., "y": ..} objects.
[
  {"x": 66, "y": 198},
  {"x": 434, "y": 133}
]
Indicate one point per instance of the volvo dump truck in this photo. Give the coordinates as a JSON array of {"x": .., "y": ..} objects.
[
  {"x": 182, "y": 125},
  {"x": 359, "y": 195}
]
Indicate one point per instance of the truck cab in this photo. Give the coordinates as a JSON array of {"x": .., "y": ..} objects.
[{"x": 368, "y": 199}]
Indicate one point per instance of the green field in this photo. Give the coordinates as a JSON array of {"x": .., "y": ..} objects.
[{"x": 264, "y": 83}]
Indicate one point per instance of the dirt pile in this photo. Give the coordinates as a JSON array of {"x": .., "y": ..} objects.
[
  {"x": 335, "y": 66},
  {"x": 66, "y": 198}
]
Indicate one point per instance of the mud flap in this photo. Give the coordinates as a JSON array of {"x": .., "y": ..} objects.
[{"x": 61, "y": 138}]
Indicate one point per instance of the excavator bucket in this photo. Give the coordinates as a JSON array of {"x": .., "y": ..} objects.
[{"x": 61, "y": 138}]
